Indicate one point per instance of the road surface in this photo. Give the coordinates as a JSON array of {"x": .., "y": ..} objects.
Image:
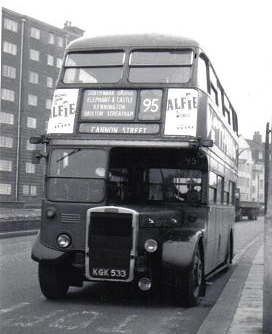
[{"x": 98, "y": 307}]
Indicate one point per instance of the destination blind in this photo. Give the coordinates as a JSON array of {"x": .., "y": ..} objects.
[{"x": 120, "y": 105}]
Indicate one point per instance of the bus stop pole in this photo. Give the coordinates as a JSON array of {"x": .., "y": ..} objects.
[{"x": 267, "y": 284}]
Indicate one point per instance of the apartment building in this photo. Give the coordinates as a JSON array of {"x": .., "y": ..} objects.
[{"x": 31, "y": 56}]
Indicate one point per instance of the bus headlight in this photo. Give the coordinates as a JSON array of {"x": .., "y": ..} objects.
[
  {"x": 64, "y": 240},
  {"x": 151, "y": 245},
  {"x": 50, "y": 212}
]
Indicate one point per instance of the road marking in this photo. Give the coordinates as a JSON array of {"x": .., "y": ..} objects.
[
  {"x": 68, "y": 321},
  {"x": 120, "y": 328},
  {"x": 29, "y": 320},
  {"x": 13, "y": 307}
]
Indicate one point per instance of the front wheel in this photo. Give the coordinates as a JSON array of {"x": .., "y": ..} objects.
[
  {"x": 53, "y": 281},
  {"x": 189, "y": 286}
]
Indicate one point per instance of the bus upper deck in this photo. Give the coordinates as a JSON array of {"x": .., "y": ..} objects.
[{"x": 142, "y": 90}]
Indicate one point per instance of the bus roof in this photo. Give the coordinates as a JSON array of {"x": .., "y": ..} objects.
[{"x": 125, "y": 41}]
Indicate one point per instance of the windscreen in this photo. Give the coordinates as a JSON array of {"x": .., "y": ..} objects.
[
  {"x": 154, "y": 176},
  {"x": 94, "y": 67},
  {"x": 77, "y": 175},
  {"x": 168, "y": 185},
  {"x": 166, "y": 66}
]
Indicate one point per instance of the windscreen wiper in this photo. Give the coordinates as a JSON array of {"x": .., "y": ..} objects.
[{"x": 68, "y": 154}]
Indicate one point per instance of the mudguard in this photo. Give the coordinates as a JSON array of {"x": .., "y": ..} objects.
[
  {"x": 42, "y": 253},
  {"x": 178, "y": 248}
]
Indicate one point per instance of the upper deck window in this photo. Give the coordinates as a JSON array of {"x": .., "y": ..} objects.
[
  {"x": 94, "y": 67},
  {"x": 166, "y": 66}
]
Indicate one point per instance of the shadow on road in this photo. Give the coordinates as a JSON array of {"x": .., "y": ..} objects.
[{"x": 128, "y": 295}]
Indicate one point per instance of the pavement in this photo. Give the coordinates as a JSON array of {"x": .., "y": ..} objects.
[
  {"x": 239, "y": 308},
  {"x": 17, "y": 222}
]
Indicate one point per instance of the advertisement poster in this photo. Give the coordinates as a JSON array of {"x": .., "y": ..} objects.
[
  {"x": 181, "y": 112},
  {"x": 63, "y": 111}
]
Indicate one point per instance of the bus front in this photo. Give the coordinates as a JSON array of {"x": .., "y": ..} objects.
[{"x": 125, "y": 145}]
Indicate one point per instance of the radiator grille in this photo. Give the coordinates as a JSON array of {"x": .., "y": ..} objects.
[{"x": 110, "y": 242}]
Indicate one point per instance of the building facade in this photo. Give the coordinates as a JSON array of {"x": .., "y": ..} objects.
[
  {"x": 258, "y": 154},
  {"x": 245, "y": 170},
  {"x": 251, "y": 169},
  {"x": 31, "y": 56}
]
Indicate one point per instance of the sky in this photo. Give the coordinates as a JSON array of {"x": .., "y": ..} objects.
[{"x": 235, "y": 34}]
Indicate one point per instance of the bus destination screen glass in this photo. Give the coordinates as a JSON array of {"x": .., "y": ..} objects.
[
  {"x": 108, "y": 105},
  {"x": 114, "y": 106},
  {"x": 167, "y": 66},
  {"x": 94, "y": 67},
  {"x": 77, "y": 175}
]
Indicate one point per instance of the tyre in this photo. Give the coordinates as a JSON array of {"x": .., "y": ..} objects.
[
  {"x": 189, "y": 286},
  {"x": 53, "y": 281}
]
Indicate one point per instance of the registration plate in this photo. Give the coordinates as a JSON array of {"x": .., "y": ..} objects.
[{"x": 109, "y": 273}]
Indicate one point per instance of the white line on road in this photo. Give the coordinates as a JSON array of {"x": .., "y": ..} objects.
[{"x": 13, "y": 307}]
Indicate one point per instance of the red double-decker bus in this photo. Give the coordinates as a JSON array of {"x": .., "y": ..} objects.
[{"x": 140, "y": 168}]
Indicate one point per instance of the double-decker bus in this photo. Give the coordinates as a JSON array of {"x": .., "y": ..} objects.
[{"x": 141, "y": 166}]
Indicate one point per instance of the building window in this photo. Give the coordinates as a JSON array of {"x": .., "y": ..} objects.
[
  {"x": 33, "y": 77},
  {"x": 59, "y": 62},
  {"x": 48, "y": 103},
  {"x": 51, "y": 38},
  {"x": 32, "y": 100},
  {"x": 7, "y": 94},
  {"x": 6, "y": 118},
  {"x": 25, "y": 189},
  {"x": 31, "y": 122},
  {"x": 60, "y": 41},
  {"x": 30, "y": 168},
  {"x": 34, "y": 55},
  {"x": 260, "y": 155},
  {"x": 6, "y": 142},
  {"x": 50, "y": 60},
  {"x": 5, "y": 189},
  {"x": 49, "y": 82},
  {"x": 10, "y": 25},
  {"x": 33, "y": 190},
  {"x": 5, "y": 165},
  {"x": 10, "y": 48},
  {"x": 29, "y": 190},
  {"x": 9, "y": 71},
  {"x": 35, "y": 33}
]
